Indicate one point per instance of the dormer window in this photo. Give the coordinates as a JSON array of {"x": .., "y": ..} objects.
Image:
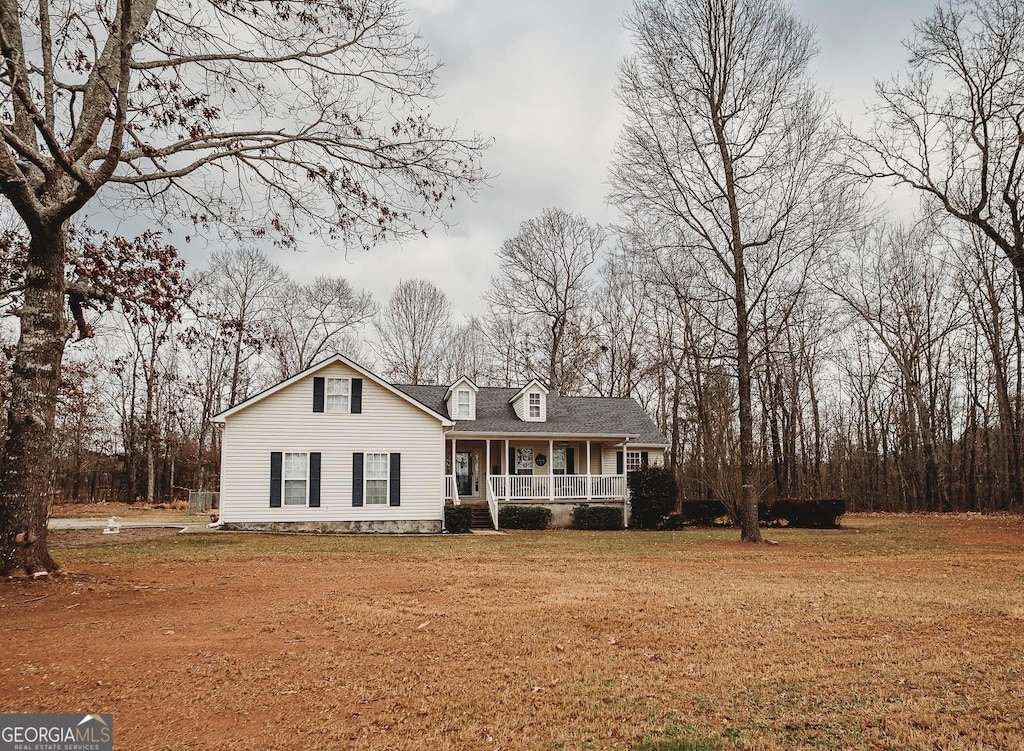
[
  {"x": 463, "y": 409},
  {"x": 535, "y": 405}
]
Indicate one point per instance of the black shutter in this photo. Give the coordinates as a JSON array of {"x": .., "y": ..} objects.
[
  {"x": 620, "y": 467},
  {"x": 357, "y": 479},
  {"x": 318, "y": 394},
  {"x": 511, "y": 461},
  {"x": 645, "y": 459},
  {"x": 276, "y": 462},
  {"x": 314, "y": 479},
  {"x": 357, "y": 396},
  {"x": 396, "y": 480},
  {"x": 570, "y": 461}
]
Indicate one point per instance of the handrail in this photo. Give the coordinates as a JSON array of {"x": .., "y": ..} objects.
[
  {"x": 492, "y": 506},
  {"x": 451, "y": 490}
]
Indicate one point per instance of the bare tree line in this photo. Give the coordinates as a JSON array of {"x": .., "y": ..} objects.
[{"x": 789, "y": 339}]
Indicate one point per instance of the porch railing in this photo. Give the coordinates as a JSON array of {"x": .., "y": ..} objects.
[
  {"x": 451, "y": 490},
  {"x": 557, "y": 487}
]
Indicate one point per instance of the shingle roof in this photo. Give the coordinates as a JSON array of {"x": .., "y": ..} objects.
[{"x": 569, "y": 415}]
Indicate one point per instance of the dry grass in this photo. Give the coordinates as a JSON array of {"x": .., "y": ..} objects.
[
  {"x": 893, "y": 633},
  {"x": 164, "y": 512}
]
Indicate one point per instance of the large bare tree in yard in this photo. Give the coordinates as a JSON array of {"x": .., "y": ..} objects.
[
  {"x": 729, "y": 146},
  {"x": 257, "y": 116},
  {"x": 414, "y": 330},
  {"x": 952, "y": 129},
  {"x": 544, "y": 282}
]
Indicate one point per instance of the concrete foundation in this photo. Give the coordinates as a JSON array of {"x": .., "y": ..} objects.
[{"x": 412, "y": 526}]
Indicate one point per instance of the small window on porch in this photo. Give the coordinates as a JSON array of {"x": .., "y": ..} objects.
[
  {"x": 524, "y": 461},
  {"x": 558, "y": 461},
  {"x": 634, "y": 460}
]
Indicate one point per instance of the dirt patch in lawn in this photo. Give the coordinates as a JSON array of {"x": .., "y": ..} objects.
[
  {"x": 129, "y": 511},
  {"x": 85, "y": 538},
  {"x": 533, "y": 640}
]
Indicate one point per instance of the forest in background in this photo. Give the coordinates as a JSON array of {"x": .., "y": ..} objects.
[{"x": 891, "y": 377}]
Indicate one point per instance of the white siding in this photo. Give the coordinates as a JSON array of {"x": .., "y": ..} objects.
[
  {"x": 285, "y": 421},
  {"x": 655, "y": 457},
  {"x": 453, "y": 403},
  {"x": 522, "y": 406}
]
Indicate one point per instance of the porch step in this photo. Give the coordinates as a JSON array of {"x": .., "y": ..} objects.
[{"x": 481, "y": 518}]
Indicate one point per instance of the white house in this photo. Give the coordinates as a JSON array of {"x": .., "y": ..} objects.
[{"x": 337, "y": 448}]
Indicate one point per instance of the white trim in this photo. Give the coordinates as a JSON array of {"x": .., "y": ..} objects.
[
  {"x": 284, "y": 479},
  {"x": 445, "y": 422},
  {"x": 347, "y": 395},
  {"x": 387, "y": 478},
  {"x": 533, "y": 382},
  {"x": 541, "y": 435},
  {"x": 462, "y": 379}
]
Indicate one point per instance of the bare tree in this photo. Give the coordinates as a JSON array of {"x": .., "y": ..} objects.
[
  {"x": 257, "y": 116},
  {"x": 312, "y": 321},
  {"x": 414, "y": 331},
  {"x": 729, "y": 145},
  {"x": 543, "y": 280},
  {"x": 953, "y": 128}
]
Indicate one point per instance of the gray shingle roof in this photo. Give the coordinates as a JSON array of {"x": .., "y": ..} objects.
[{"x": 570, "y": 415}]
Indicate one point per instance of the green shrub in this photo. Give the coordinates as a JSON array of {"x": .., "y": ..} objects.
[
  {"x": 597, "y": 517},
  {"x": 524, "y": 517},
  {"x": 458, "y": 519},
  {"x": 652, "y": 496},
  {"x": 702, "y": 512}
]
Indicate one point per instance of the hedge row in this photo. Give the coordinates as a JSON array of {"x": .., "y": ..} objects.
[
  {"x": 819, "y": 513},
  {"x": 597, "y": 517},
  {"x": 653, "y": 493},
  {"x": 458, "y": 519},
  {"x": 524, "y": 517}
]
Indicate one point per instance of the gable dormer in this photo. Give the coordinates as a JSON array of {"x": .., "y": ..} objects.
[
  {"x": 531, "y": 402},
  {"x": 461, "y": 399}
]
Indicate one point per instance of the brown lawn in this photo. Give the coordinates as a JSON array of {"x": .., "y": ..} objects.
[{"x": 895, "y": 632}]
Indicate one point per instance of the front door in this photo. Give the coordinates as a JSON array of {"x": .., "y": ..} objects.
[{"x": 467, "y": 473}]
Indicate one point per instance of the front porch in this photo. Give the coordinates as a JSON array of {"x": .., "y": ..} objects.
[{"x": 496, "y": 471}]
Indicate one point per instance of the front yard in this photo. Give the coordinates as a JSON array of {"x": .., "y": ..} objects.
[{"x": 895, "y": 632}]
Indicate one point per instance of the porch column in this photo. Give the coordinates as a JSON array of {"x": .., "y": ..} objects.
[
  {"x": 551, "y": 470},
  {"x": 508, "y": 472},
  {"x": 590, "y": 482},
  {"x": 487, "y": 470},
  {"x": 625, "y": 482},
  {"x": 453, "y": 461}
]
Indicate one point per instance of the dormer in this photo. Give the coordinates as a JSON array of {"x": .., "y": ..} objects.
[
  {"x": 531, "y": 402},
  {"x": 461, "y": 399}
]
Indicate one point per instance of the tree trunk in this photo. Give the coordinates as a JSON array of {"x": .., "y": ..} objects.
[{"x": 35, "y": 377}]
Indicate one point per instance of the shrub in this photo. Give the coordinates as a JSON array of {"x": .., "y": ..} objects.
[
  {"x": 818, "y": 513},
  {"x": 703, "y": 513},
  {"x": 597, "y": 517},
  {"x": 673, "y": 522},
  {"x": 458, "y": 519},
  {"x": 652, "y": 496},
  {"x": 524, "y": 517}
]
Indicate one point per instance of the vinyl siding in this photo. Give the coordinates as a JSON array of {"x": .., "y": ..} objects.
[
  {"x": 285, "y": 421},
  {"x": 655, "y": 457}
]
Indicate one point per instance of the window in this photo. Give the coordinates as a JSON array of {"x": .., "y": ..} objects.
[
  {"x": 534, "y": 404},
  {"x": 558, "y": 462},
  {"x": 296, "y": 471},
  {"x": 524, "y": 461},
  {"x": 337, "y": 395},
  {"x": 376, "y": 492},
  {"x": 634, "y": 460},
  {"x": 462, "y": 409}
]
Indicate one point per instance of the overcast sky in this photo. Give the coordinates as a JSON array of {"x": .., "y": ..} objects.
[{"x": 538, "y": 77}]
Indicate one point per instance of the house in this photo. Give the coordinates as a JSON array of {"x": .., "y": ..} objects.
[{"x": 338, "y": 448}]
